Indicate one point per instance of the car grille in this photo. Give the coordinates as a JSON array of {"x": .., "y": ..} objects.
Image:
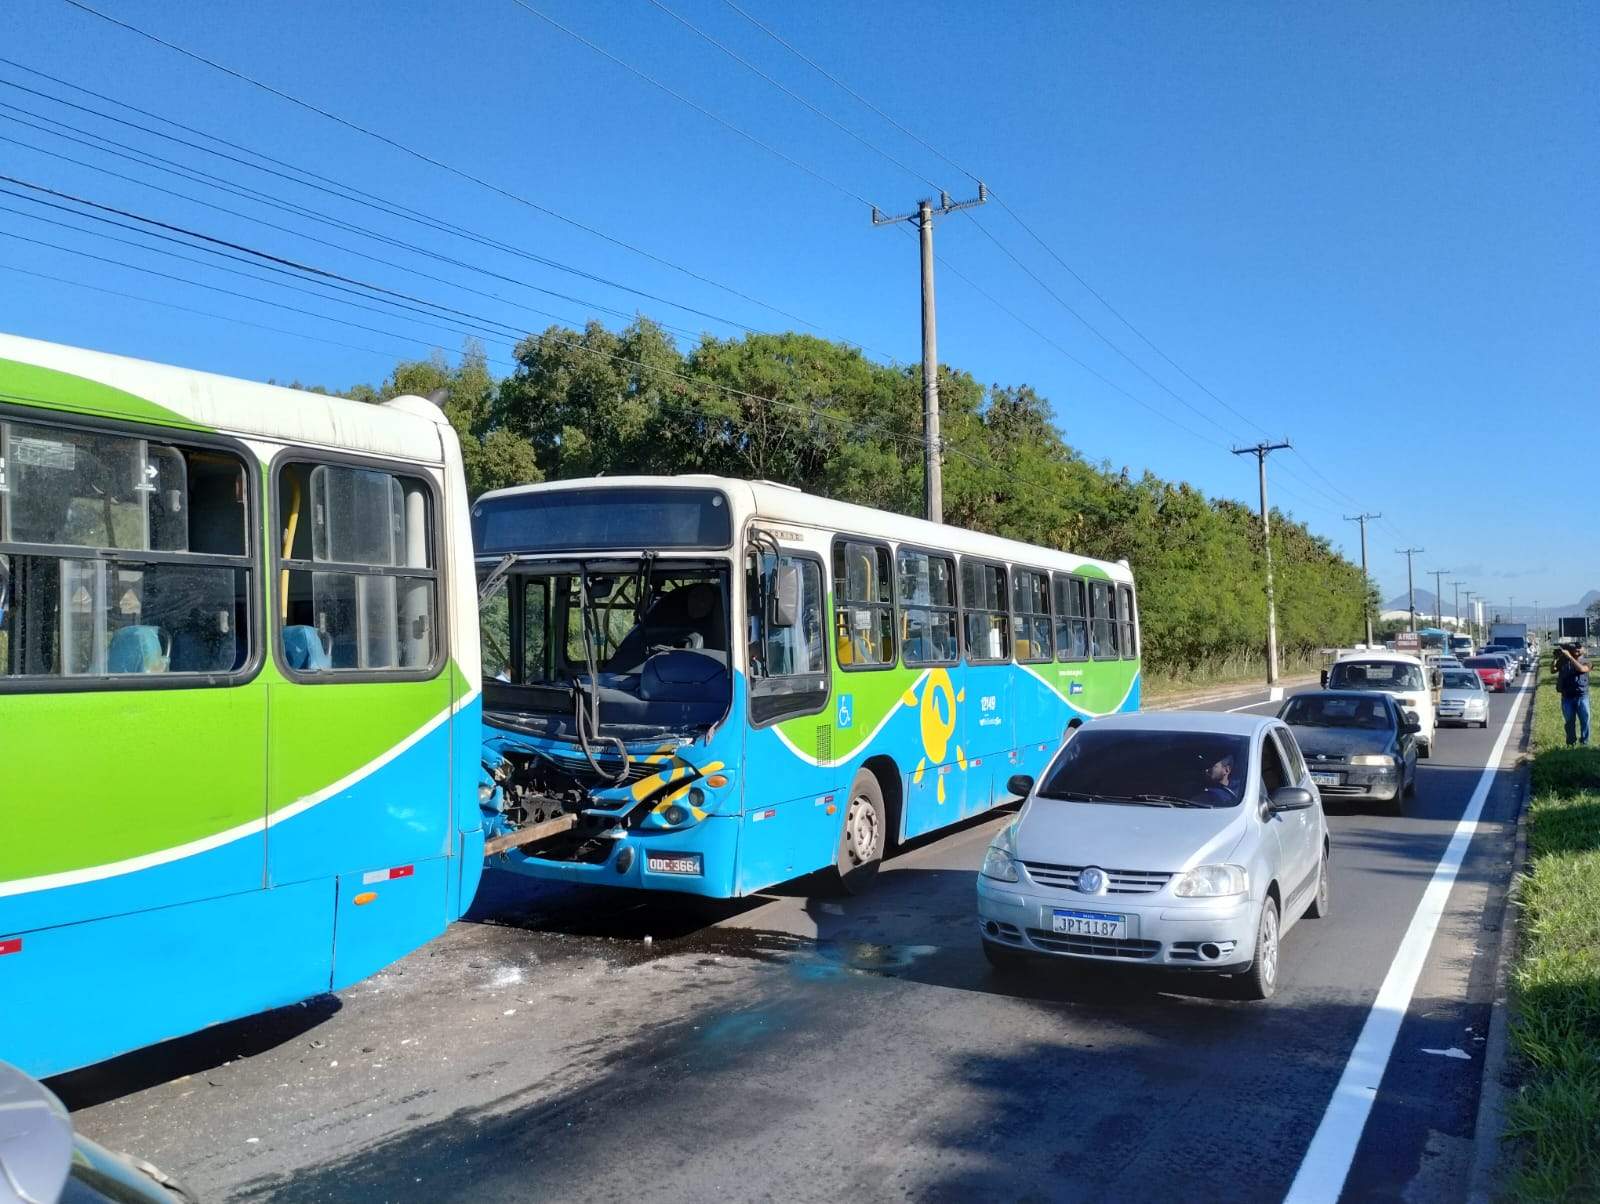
[
  {"x": 1092, "y": 946},
  {"x": 1118, "y": 882},
  {"x": 1316, "y": 762},
  {"x": 1346, "y": 788}
]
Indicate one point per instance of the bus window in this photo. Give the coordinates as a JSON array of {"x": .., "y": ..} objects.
[
  {"x": 1103, "y": 628},
  {"x": 788, "y": 663},
  {"x": 1072, "y": 617},
  {"x": 983, "y": 603},
  {"x": 1126, "y": 627},
  {"x": 926, "y": 586},
  {"x": 863, "y": 607},
  {"x": 358, "y": 576},
  {"x": 1030, "y": 621},
  {"x": 160, "y": 584}
]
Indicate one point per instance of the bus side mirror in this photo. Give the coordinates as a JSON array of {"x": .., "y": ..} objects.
[{"x": 783, "y": 604}]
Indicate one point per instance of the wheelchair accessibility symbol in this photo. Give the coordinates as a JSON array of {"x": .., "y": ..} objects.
[{"x": 846, "y": 710}]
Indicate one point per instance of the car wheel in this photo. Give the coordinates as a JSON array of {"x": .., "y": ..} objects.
[
  {"x": 1322, "y": 902},
  {"x": 1002, "y": 960},
  {"x": 1483, "y": 723},
  {"x": 1260, "y": 981},
  {"x": 862, "y": 841}
]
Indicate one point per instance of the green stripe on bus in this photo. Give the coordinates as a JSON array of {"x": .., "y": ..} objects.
[{"x": 47, "y": 389}]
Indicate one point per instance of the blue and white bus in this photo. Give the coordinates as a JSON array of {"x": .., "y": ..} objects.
[{"x": 710, "y": 685}]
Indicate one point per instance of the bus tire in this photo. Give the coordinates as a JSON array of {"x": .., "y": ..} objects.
[{"x": 865, "y": 830}]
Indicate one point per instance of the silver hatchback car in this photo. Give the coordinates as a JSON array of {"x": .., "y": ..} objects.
[{"x": 1188, "y": 840}]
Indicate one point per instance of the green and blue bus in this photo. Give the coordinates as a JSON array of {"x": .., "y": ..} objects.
[
  {"x": 709, "y": 685},
  {"x": 239, "y": 699}
]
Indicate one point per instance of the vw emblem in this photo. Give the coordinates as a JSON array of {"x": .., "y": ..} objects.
[{"x": 1092, "y": 881}]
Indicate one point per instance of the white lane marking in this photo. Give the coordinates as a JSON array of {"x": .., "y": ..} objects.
[
  {"x": 1265, "y": 702},
  {"x": 1332, "y": 1150}
]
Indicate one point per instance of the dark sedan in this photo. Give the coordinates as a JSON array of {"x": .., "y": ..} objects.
[{"x": 1357, "y": 744}]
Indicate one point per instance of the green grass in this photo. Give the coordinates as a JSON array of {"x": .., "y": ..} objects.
[
  {"x": 1555, "y": 1116},
  {"x": 1237, "y": 668}
]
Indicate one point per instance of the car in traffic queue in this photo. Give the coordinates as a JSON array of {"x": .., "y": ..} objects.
[
  {"x": 42, "y": 1158},
  {"x": 1491, "y": 670},
  {"x": 1463, "y": 700},
  {"x": 1184, "y": 840},
  {"x": 1515, "y": 661},
  {"x": 1358, "y": 745},
  {"x": 1401, "y": 675}
]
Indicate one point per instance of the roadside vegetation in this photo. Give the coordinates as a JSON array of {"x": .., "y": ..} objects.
[
  {"x": 1556, "y": 983},
  {"x": 821, "y": 416}
]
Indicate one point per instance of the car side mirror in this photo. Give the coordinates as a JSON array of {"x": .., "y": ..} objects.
[
  {"x": 1324, "y": 679},
  {"x": 1020, "y": 784},
  {"x": 1411, "y": 724},
  {"x": 1291, "y": 798}
]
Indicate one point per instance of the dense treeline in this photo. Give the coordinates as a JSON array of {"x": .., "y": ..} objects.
[{"x": 821, "y": 416}]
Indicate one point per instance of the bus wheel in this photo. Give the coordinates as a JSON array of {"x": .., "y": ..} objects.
[{"x": 865, "y": 827}]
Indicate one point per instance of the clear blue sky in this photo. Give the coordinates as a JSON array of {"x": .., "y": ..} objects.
[{"x": 1369, "y": 227}]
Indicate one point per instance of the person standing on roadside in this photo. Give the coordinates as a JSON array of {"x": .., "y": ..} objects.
[{"x": 1572, "y": 683}]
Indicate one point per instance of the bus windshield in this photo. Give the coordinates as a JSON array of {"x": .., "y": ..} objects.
[{"x": 650, "y": 638}]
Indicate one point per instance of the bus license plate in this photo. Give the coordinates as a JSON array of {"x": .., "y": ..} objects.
[
  {"x": 1089, "y": 923},
  {"x": 673, "y": 863},
  {"x": 1325, "y": 779}
]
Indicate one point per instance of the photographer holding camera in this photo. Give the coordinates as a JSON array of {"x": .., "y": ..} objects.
[{"x": 1572, "y": 683}]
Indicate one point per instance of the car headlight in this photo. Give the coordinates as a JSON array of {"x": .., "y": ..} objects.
[
  {"x": 1373, "y": 759},
  {"x": 997, "y": 864},
  {"x": 1211, "y": 881}
]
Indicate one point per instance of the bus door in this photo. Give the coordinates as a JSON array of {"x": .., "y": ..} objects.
[
  {"x": 793, "y": 813},
  {"x": 986, "y": 705},
  {"x": 360, "y": 775}
]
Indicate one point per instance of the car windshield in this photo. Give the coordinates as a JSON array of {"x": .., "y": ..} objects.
[
  {"x": 1173, "y": 767},
  {"x": 1486, "y": 662},
  {"x": 1460, "y": 681},
  {"x": 1375, "y": 675},
  {"x": 1322, "y": 710}
]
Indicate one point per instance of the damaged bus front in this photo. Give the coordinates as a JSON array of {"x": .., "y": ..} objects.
[{"x": 608, "y": 676}]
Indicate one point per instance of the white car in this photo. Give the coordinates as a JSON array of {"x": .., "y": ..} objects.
[
  {"x": 1398, "y": 674},
  {"x": 1187, "y": 840}
]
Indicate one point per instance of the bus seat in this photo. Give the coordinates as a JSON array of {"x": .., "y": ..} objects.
[
  {"x": 1024, "y": 649},
  {"x": 137, "y": 649},
  {"x": 683, "y": 676},
  {"x": 844, "y": 646},
  {"x": 194, "y": 652},
  {"x": 304, "y": 650}
]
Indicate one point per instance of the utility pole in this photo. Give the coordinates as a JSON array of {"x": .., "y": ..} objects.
[
  {"x": 1366, "y": 581},
  {"x": 1472, "y": 618},
  {"x": 1261, "y": 451},
  {"x": 933, "y": 459},
  {"x": 1411, "y": 587},
  {"x": 1511, "y": 609},
  {"x": 1438, "y": 595},
  {"x": 1458, "y": 585}
]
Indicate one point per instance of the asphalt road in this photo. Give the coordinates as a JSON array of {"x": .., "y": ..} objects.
[{"x": 799, "y": 1046}]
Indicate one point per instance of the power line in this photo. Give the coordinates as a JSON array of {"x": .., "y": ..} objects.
[
  {"x": 326, "y": 185},
  {"x": 423, "y": 157}
]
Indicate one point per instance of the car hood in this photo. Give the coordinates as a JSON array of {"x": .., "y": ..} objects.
[
  {"x": 1462, "y": 696},
  {"x": 1126, "y": 836},
  {"x": 1339, "y": 741}
]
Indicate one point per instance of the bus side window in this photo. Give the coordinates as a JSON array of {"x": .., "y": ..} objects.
[
  {"x": 1071, "y": 617},
  {"x": 863, "y": 605},
  {"x": 358, "y": 584},
  {"x": 1103, "y": 630},
  {"x": 1127, "y": 627},
  {"x": 1030, "y": 621},
  {"x": 926, "y": 592},
  {"x": 162, "y": 586},
  {"x": 788, "y": 661}
]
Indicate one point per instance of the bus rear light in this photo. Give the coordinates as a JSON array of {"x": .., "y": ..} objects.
[
  {"x": 14, "y": 945},
  {"x": 365, "y": 897}
]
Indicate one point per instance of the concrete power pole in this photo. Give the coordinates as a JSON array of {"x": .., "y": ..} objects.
[
  {"x": 1261, "y": 451},
  {"x": 1458, "y": 585},
  {"x": 1366, "y": 579},
  {"x": 1411, "y": 585},
  {"x": 1438, "y": 595},
  {"x": 933, "y": 459}
]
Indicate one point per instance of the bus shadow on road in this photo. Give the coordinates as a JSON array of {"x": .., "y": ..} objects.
[{"x": 200, "y": 1053}]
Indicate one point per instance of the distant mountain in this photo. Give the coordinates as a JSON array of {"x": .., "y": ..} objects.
[{"x": 1425, "y": 605}]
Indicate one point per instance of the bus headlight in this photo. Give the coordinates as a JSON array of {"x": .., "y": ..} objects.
[{"x": 674, "y": 815}]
